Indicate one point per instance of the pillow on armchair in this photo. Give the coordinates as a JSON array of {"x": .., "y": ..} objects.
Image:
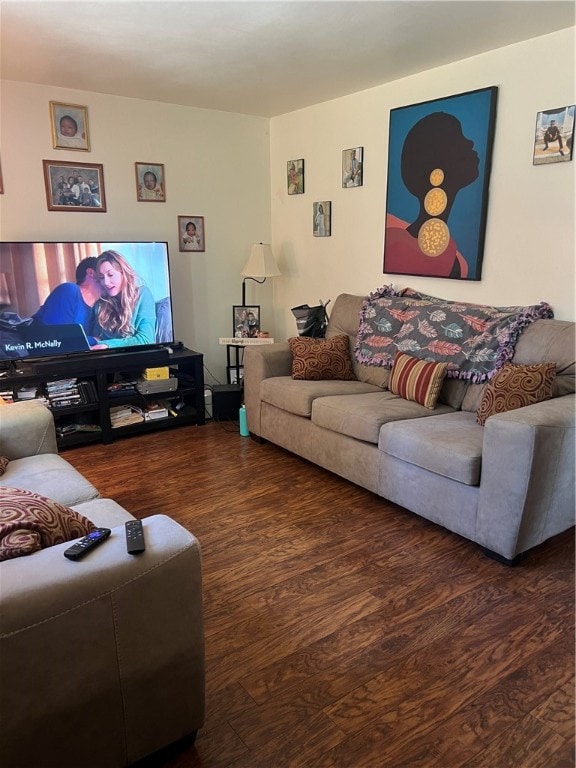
[
  {"x": 321, "y": 359},
  {"x": 29, "y": 522}
]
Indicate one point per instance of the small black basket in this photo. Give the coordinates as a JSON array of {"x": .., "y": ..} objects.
[{"x": 311, "y": 321}]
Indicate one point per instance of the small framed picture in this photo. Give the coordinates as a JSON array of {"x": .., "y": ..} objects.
[
  {"x": 191, "y": 233},
  {"x": 69, "y": 126},
  {"x": 352, "y": 167},
  {"x": 235, "y": 374},
  {"x": 150, "y": 183},
  {"x": 74, "y": 186},
  {"x": 322, "y": 222},
  {"x": 295, "y": 177},
  {"x": 246, "y": 322},
  {"x": 554, "y": 136}
]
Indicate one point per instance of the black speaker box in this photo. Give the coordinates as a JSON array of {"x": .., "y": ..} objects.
[{"x": 226, "y": 402}]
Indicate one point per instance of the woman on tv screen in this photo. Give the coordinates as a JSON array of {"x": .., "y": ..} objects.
[{"x": 125, "y": 315}]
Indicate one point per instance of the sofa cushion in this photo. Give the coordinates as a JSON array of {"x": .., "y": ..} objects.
[
  {"x": 50, "y": 475},
  {"x": 296, "y": 396},
  {"x": 449, "y": 445},
  {"x": 344, "y": 320},
  {"x": 417, "y": 380},
  {"x": 29, "y": 522},
  {"x": 321, "y": 359},
  {"x": 515, "y": 386},
  {"x": 361, "y": 416}
]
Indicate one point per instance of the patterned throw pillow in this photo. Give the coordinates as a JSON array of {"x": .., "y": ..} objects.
[
  {"x": 318, "y": 359},
  {"x": 515, "y": 386},
  {"x": 3, "y": 464},
  {"x": 417, "y": 380},
  {"x": 29, "y": 522}
]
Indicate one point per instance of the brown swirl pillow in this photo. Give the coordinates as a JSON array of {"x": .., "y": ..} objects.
[
  {"x": 319, "y": 359},
  {"x": 515, "y": 386},
  {"x": 29, "y": 522},
  {"x": 3, "y": 464}
]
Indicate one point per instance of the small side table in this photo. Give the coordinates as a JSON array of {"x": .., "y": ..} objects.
[{"x": 235, "y": 356}]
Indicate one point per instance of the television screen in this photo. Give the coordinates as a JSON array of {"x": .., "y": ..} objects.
[{"x": 69, "y": 298}]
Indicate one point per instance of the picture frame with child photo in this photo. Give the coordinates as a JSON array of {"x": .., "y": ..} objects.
[{"x": 69, "y": 124}]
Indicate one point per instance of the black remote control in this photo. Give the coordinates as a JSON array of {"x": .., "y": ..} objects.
[
  {"x": 135, "y": 537},
  {"x": 78, "y": 550}
]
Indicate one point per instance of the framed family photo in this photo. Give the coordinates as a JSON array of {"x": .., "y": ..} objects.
[
  {"x": 439, "y": 163},
  {"x": 191, "y": 233},
  {"x": 74, "y": 186},
  {"x": 150, "y": 183},
  {"x": 295, "y": 177},
  {"x": 69, "y": 124},
  {"x": 246, "y": 321},
  {"x": 352, "y": 167},
  {"x": 322, "y": 220},
  {"x": 554, "y": 136}
]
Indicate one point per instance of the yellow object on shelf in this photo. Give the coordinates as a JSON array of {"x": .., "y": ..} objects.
[{"x": 151, "y": 374}]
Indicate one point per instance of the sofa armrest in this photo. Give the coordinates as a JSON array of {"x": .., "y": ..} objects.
[
  {"x": 110, "y": 647},
  {"x": 527, "y": 480},
  {"x": 26, "y": 429},
  {"x": 262, "y": 362}
]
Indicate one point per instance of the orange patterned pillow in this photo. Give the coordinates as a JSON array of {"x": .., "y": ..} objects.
[
  {"x": 318, "y": 359},
  {"x": 515, "y": 386},
  {"x": 4, "y": 461},
  {"x": 29, "y": 522},
  {"x": 416, "y": 380}
]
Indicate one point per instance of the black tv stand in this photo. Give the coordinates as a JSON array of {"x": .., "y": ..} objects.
[{"x": 90, "y": 420}]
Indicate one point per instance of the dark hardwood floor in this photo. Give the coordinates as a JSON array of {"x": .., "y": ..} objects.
[{"x": 343, "y": 631}]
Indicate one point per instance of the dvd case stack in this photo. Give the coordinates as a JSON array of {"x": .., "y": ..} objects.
[{"x": 65, "y": 393}]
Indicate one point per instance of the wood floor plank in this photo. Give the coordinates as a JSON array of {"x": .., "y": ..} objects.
[{"x": 343, "y": 631}]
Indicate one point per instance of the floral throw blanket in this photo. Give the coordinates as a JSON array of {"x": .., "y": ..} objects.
[{"x": 475, "y": 340}]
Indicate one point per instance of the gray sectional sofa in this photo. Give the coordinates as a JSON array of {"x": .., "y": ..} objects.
[
  {"x": 507, "y": 485},
  {"x": 101, "y": 660}
]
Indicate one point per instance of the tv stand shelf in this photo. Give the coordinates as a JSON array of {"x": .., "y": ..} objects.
[{"x": 89, "y": 421}]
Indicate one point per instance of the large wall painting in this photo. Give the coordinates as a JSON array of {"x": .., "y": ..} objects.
[{"x": 439, "y": 162}]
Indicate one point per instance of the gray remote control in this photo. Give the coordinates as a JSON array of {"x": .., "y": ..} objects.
[{"x": 135, "y": 537}]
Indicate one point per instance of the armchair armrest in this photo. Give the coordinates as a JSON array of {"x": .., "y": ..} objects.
[
  {"x": 262, "y": 362},
  {"x": 26, "y": 429},
  {"x": 527, "y": 481},
  {"x": 110, "y": 648}
]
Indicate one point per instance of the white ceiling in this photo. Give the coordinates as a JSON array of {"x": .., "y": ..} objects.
[{"x": 261, "y": 58}]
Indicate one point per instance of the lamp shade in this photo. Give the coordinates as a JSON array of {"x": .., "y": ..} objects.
[{"x": 261, "y": 262}]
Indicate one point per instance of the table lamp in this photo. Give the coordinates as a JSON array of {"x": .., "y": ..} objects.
[{"x": 261, "y": 264}]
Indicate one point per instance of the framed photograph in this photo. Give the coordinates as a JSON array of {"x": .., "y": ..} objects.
[
  {"x": 554, "y": 136},
  {"x": 191, "y": 233},
  {"x": 150, "y": 183},
  {"x": 439, "y": 161},
  {"x": 295, "y": 177},
  {"x": 352, "y": 167},
  {"x": 246, "y": 322},
  {"x": 74, "y": 186},
  {"x": 233, "y": 372},
  {"x": 322, "y": 221},
  {"x": 69, "y": 126}
]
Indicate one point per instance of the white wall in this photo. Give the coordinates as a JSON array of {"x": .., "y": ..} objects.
[
  {"x": 216, "y": 165},
  {"x": 529, "y": 250}
]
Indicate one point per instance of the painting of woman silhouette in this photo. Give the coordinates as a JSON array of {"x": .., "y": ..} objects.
[{"x": 438, "y": 173}]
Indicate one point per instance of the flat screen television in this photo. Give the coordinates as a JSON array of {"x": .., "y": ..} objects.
[{"x": 73, "y": 298}]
